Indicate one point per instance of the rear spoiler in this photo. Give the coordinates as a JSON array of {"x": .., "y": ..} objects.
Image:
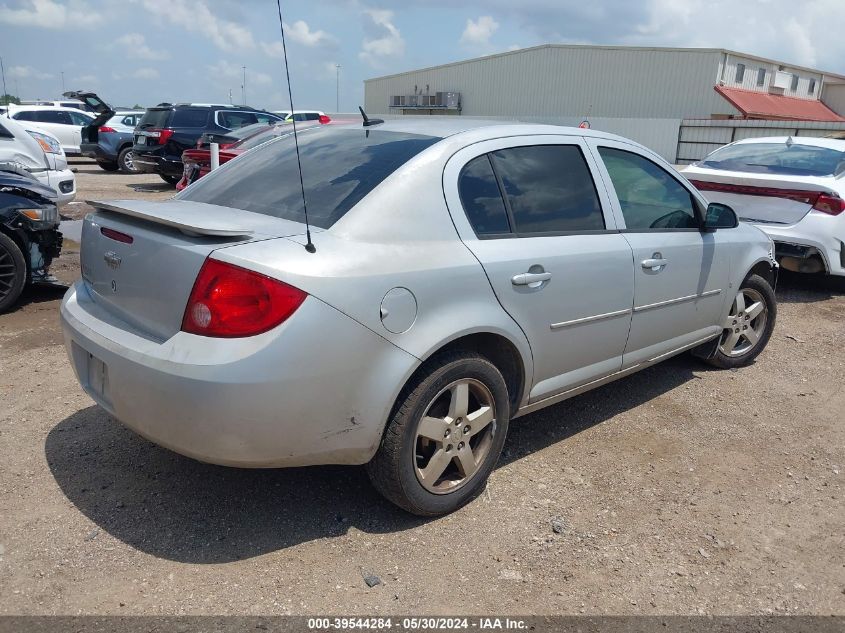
[{"x": 191, "y": 218}]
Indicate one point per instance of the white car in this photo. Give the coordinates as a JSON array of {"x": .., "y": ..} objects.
[
  {"x": 26, "y": 148},
  {"x": 304, "y": 115},
  {"x": 793, "y": 188},
  {"x": 64, "y": 123}
]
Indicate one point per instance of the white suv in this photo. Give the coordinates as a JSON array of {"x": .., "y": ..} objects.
[
  {"x": 64, "y": 123},
  {"x": 24, "y": 148}
]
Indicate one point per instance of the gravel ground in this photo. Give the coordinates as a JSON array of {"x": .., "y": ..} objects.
[{"x": 680, "y": 489}]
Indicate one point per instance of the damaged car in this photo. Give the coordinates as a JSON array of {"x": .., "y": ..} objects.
[{"x": 29, "y": 233}]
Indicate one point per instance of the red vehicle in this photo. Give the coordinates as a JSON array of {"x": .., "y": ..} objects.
[{"x": 197, "y": 160}]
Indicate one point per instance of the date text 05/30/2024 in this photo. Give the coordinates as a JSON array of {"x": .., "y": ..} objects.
[{"x": 416, "y": 623}]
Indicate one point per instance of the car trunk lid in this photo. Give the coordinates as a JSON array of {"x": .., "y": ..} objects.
[
  {"x": 758, "y": 199},
  {"x": 102, "y": 111},
  {"x": 140, "y": 259}
]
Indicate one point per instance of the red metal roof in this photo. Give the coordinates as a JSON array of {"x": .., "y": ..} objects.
[{"x": 761, "y": 105}]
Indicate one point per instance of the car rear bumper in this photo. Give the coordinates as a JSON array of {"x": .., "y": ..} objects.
[
  {"x": 818, "y": 231},
  {"x": 97, "y": 152},
  {"x": 152, "y": 164},
  {"x": 293, "y": 396}
]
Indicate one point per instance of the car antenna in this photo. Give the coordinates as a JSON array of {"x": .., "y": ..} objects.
[
  {"x": 367, "y": 120},
  {"x": 309, "y": 246}
]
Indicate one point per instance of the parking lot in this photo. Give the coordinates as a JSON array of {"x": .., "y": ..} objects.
[{"x": 680, "y": 489}]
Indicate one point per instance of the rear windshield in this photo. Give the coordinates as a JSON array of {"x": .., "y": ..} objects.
[
  {"x": 339, "y": 168},
  {"x": 155, "y": 119},
  {"x": 778, "y": 158}
]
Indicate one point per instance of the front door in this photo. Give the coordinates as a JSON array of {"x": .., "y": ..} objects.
[
  {"x": 681, "y": 274},
  {"x": 529, "y": 210}
]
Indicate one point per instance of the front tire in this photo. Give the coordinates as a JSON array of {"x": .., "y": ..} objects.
[
  {"x": 12, "y": 272},
  {"x": 444, "y": 437},
  {"x": 105, "y": 166},
  {"x": 748, "y": 326}
]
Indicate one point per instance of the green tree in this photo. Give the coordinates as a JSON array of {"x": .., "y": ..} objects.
[
  {"x": 137, "y": 107},
  {"x": 7, "y": 99}
]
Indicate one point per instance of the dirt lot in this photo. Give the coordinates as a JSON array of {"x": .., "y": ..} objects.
[{"x": 681, "y": 489}]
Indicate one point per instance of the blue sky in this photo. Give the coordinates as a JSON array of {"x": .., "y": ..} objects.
[{"x": 148, "y": 51}]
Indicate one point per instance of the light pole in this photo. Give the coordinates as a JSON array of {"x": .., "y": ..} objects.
[
  {"x": 337, "y": 88},
  {"x": 63, "y": 83},
  {"x": 5, "y": 92},
  {"x": 243, "y": 88}
]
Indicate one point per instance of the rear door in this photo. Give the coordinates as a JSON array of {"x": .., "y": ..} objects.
[
  {"x": 529, "y": 210},
  {"x": 681, "y": 274},
  {"x": 59, "y": 124}
]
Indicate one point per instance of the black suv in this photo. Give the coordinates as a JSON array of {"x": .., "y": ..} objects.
[{"x": 166, "y": 130}]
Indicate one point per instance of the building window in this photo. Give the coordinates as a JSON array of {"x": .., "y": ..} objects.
[
  {"x": 740, "y": 73},
  {"x": 794, "y": 85},
  {"x": 761, "y": 76},
  {"x": 812, "y": 89}
]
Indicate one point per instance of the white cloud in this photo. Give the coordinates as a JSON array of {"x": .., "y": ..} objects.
[
  {"x": 775, "y": 28},
  {"x": 301, "y": 33},
  {"x": 195, "y": 16},
  {"x": 134, "y": 46},
  {"x": 145, "y": 73},
  {"x": 49, "y": 14},
  {"x": 27, "y": 72},
  {"x": 478, "y": 32},
  {"x": 86, "y": 80},
  {"x": 383, "y": 39},
  {"x": 224, "y": 70}
]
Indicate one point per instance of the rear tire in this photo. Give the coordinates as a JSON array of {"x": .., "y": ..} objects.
[
  {"x": 12, "y": 272},
  {"x": 109, "y": 166},
  {"x": 170, "y": 180},
  {"x": 444, "y": 437},
  {"x": 749, "y": 324},
  {"x": 124, "y": 160}
]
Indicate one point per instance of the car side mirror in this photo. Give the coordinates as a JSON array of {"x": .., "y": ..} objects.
[{"x": 719, "y": 216}]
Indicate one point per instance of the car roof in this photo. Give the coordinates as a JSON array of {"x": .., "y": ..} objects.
[
  {"x": 446, "y": 126},
  {"x": 831, "y": 143},
  {"x": 16, "y": 108}
]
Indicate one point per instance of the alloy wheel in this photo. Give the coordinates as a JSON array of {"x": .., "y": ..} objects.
[
  {"x": 745, "y": 323},
  {"x": 127, "y": 162},
  {"x": 7, "y": 272},
  {"x": 454, "y": 436}
]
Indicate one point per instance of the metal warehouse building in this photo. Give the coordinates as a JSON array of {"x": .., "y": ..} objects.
[{"x": 681, "y": 102}]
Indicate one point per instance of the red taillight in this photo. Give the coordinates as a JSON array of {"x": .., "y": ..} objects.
[
  {"x": 106, "y": 128},
  {"x": 161, "y": 136},
  {"x": 117, "y": 236},
  {"x": 228, "y": 301},
  {"x": 324, "y": 119},
  {"x": 830, "y": 204}
]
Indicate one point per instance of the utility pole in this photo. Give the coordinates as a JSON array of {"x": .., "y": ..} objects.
[
  {"x": 243, "y": 88},
  {"x": 230, "y": 97},
  {"x": 337, "y": 88},
  {"x": 63, "y": 83},
  {"x": 5, "y": 92}
]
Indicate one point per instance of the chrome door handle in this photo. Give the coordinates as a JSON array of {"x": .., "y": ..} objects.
[
  {"x": 656, "y": 263},
  {"x": 530, "y": 279}
]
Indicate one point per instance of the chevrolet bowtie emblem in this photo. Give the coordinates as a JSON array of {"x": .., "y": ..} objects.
[{"x": 112, "y": 260}]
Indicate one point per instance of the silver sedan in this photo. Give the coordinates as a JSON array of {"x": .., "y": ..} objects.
[{"x": 462, "y": 274}]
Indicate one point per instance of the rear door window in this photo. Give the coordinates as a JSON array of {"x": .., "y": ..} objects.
[
  {"x": 189, "y": 117},
  {"x": 28, "y": 115},
  {"x": 54, "y": 116},
  {"x": 649, "y": 196},
  {"x": 339, "y": 168},
  {"x": 264, "y": 117},
  {"x": 234, "y": 120},
  {"x": 78, "y": 119},
  {"x": 549, "y": 189},
  {"x": 482, "y": 199}
]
